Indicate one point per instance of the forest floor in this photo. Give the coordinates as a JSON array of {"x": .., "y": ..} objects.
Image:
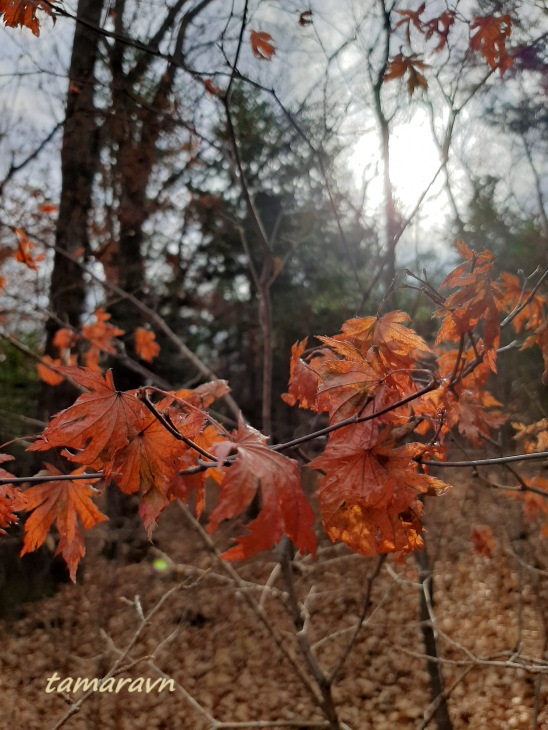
[{"x": 490, "y": 614}]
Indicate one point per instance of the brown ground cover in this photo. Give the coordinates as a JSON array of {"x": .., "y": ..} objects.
[{"x": 489, "y": 615}]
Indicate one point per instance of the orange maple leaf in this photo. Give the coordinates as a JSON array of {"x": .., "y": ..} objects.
[
  {"x": 535, "y": 505},
  {"x": 490, "y": 35},
  {"x": 533, "y": 437},
  {"x": 203, "y": 395},
  {"x": 303, "y": 379},
  {"x": 152, "y": 458},
  {"x": 23, "y": 13},
  {"x": 64, "y": 338},
  {"x": 368, "y": 496},
  {"x": 284, "y": 511},
  {"x": 11, "y": 499},
  {"x": 476, "y": 412},
  {"x": 100, "y": 423},
  {"x": 401, "y": 65},
  {"x": 353, "y": 384},
  {"x": 67, "y": 503},
  {"x": 145, "y": 344},
  {"x": 100, "y": 335},
  {"x": 398, "y": 345},
  {"x": 532, "y": 315},
  {"x": 478, "y": 298},
  {"x": 48, "y": 208},
  {"x": 464, "y": 404},
  {"x": 24, "y": 250},
  {"x": 48, "y": 374},
  {"x": 261, "y": 45}
]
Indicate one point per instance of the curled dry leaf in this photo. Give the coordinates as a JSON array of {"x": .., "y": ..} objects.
[
  {"x": 12, "y": 500},
  {"x": 284, "y": 511},
  {"x": 25, "y": 248},
  {"x": 261, "y": 45}
]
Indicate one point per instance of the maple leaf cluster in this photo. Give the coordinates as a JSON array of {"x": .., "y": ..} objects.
[
  {"x": 363, "y": 378},
  {"x": 370, "y": 380},
  {"x": 124, "y": 437},
  {"x": 94, "y": 340},
  {"x": 389, "y": 398},
  {"x": 488, "y": 36}
]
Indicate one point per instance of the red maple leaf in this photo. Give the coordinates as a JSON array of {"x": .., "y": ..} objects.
[
  {"x": 441, "y": 27},
  {"x": 482, "y": 540},
  {"x": 284, "y": 511},
  {"x": 490, "y": 36},
  {"x": 261, "y": 45},
  {"x": 409, "y": 18},
  {"x": 211, "y": 88},
  {"x": 23, "y": 13},
  {"x": 69, "y": 504},
  {"x": 477, "y": 298},
  {"x": 98, "y": 424}
]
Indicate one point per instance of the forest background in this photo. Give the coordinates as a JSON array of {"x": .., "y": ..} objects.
[{"x": 189, "y": 188}]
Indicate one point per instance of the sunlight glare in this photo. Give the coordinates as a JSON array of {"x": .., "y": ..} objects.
[{"x": 414, "y": 160}]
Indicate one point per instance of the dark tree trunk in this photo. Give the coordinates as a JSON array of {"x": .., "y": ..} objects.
[
  {"x": 23, "y": 579},
  {"x": 78, "y": 166},
  {"x": 437, "y": 685}
]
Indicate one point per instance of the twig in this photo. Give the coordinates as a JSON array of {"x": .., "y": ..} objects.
[
  {"x": 300, "y": 624},
  {"x": 487, "y": 462},
  {"x": 253, "y": 605},
  {"x": 370, "y": 578},
  {"x": 118, "y": 667}
]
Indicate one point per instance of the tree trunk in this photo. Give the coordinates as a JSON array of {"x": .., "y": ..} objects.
[
  {"x": 78, "y": 167},
  {"x": 437, "y": 686}
]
